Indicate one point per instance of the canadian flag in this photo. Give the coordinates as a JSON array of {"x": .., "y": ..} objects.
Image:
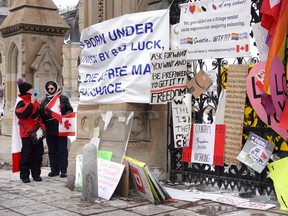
[
  {"x": 244, "y": 48},
  {"x": 68, "y": 125},
  {"x": 54, "y": 106}
]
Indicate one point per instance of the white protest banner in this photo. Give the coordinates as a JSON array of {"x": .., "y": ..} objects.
[
  {"x": 115, "y": 59},
  {"x": 181, "y": 114},
  {"x": 215, "y": 29},
  {"x": 169, "y": 75}
]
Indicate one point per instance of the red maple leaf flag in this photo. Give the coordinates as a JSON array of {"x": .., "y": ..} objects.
[
  {"x": 54, "y": 106},
  {"x": 68, "y": 125},
  {"x": 244, "y": 48}
]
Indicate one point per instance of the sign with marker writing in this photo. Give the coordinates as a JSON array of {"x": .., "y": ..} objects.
[
  {"x": 206, "y": 144},
  {"x": 203, "y": 143},
  {"x": 115, "y": 62},
  {"x": 181, "y": 114},
  {"x": 169, "y": 75}
]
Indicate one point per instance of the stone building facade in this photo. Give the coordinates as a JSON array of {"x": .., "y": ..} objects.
[
  {"x": 31, "y": 49},
  {"x": 148, "y": 141},
  {"x": 42, "y": 52}
]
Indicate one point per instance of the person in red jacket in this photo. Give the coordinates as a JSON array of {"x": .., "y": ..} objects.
[{"x": 28, "y": 112}]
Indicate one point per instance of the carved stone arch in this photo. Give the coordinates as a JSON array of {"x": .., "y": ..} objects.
[
  {"x": 45, "y": 67},
  {"x": 11, "y": 75}
]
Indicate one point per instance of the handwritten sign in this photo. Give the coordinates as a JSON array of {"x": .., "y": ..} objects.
[
  {"x": 206, "y": 144},
  {"x": 181, "y": 114},
  {"x": 203, "y": 143},
  {"x": 256, "y": 205},
  {"x": 231, "y": 200},
  {"x": 115, "y": 63},
  {"x": 109, "y": 174},
  {"x": 169, "y": 75},
  {"x": 215, "y": 29}
]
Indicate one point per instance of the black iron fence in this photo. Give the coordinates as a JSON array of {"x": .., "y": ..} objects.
[{"x": 229, "y": 176}]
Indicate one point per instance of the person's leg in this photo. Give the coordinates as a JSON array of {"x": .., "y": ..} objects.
[
  {"x": 53, "y": 155},
  {"x": 63, "y": 155},
  {"x": 25, "y": 159},
  {"x": 36, "y": 162}
]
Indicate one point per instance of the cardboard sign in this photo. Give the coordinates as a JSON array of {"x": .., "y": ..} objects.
[
  {"x": 234, "y": 111},
  {"x": 199, "y": 83}
]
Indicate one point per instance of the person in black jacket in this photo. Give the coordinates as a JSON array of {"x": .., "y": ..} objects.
[{"x": 57, "y": 145}]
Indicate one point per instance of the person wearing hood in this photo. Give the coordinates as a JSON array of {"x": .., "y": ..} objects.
[
  {"x": 27, "y": 115},
  {"x": 57, "y": 145}
]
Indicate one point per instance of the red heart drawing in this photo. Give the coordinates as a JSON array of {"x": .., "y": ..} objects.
[
  {"x": 192, "y": 8},
  {"x": 214, "y": 7}
]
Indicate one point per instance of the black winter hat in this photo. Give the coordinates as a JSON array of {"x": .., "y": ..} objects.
[{"x": 23, "y": 86}]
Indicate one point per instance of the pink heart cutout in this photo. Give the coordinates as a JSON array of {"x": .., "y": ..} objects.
[
  {"x": 278, "y": 85},
  {"x": 254, "y": 95}
]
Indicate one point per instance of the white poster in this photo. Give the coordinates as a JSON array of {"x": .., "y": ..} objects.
[
  {"x": 115, "y": 59},
  {"x": 169, "y": 75},
  {"x": 109, "y": 175},
  {"x": 215, "y": 29},
  {"x": 203, "y": 143},
  {"x": 181, "y": 114}
]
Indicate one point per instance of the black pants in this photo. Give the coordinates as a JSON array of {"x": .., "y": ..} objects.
[
  {"x": 31, "y": 158},
  {"x": 58, "y": 153}
]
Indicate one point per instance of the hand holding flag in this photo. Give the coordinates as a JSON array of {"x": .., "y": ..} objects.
[{"x": 55, "y": 108}]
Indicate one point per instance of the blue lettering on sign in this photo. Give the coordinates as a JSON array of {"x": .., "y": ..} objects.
[
  {"x": 148, "y": 45},
  {"x": 93, "y": 41},
  {"x": 102, "y": 90},
  {"x": 140, "y": 70},
  {"x": 130, "y": 30},
  {"x": 116, "y": 72}
]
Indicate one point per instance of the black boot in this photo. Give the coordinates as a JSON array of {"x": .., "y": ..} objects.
[
  {"x": 52, "y": 174},
  {"x": 25, "y": 180}
]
